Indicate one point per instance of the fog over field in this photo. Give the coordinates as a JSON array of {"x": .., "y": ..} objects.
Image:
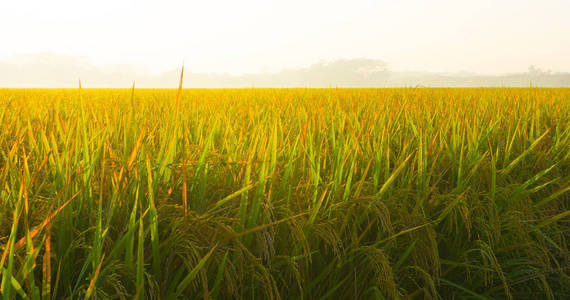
[
  {"x": 278, "y": 43},
  {"x": 48, "y": 70}
]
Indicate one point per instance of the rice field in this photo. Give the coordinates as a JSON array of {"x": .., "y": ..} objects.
[{"x": 410, "y": 193}]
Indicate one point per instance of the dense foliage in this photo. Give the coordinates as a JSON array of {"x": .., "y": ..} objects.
[{"x": 285, "y": 193}]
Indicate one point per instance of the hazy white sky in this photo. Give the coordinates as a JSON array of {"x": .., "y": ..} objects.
[{"x": 485, "y": 36}]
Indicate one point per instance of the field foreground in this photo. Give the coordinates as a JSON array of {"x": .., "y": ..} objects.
[{"x": 285, "y": 194}]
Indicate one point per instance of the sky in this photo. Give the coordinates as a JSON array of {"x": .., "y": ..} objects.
[{"x": 252, "y": 36}]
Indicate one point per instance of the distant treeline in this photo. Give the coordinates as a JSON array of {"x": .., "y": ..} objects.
[{"x": 48, "y": 70}]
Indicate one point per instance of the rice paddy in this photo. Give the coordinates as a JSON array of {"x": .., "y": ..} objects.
[{"x": 410, "y": 193}]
